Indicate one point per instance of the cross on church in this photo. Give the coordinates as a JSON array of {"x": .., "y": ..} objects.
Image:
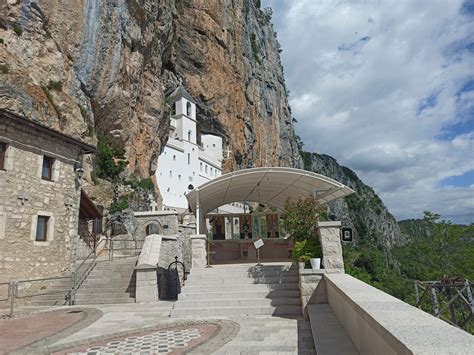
[
  {"x": 153, "y": 205},
  {"x": 23, "y": 197},
  {"x": 228, "y": 151}
]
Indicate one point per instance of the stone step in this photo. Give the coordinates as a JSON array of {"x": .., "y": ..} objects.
[
  {"x": 239, "y": 274},
  {"x": 240, "y": 287},
  {"x": 229, "y": 311},
  {"x": 106, "y": 286},
  {"x": 241, "y": 281},
  {"x": 239, "y": 294},
  {"x": 245, "y": 267},
  {"x": 244, "y": 302},
  {"x": 114, "y": 268},
  {"x": 52, "y": 296},
  {"x": 105, "y": 300},
  {"x": 112, "y": 277},
  {"x": 103, "y": 293}
]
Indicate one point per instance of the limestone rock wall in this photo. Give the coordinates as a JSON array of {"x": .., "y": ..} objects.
[
  {"x": 92, "y": 67},
  {"x": 364, "y": 211}
]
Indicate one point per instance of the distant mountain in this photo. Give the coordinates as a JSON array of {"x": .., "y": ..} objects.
[{"x": 364, "y": 211}]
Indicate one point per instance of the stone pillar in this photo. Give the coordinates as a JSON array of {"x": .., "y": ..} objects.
[
  {"x": 147, "y": 284},
  {"x": 312, "y": 288},
  {"x": 330, "y": 238},
  {"x": 199, "y": 251},
  {"x": 147, "y": 281}
]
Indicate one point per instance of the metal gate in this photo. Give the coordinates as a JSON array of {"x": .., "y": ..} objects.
[{"x": 175, "y": 278}]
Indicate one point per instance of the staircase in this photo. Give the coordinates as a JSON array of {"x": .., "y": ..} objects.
[
  {"x": 224, "y": 290},
  {"x": 109, "y": 282}
]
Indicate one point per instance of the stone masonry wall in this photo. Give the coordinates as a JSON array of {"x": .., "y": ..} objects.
[{"x": 20, "y": 255}]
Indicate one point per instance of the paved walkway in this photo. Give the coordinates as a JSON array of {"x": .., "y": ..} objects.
[{"x": 147, "y": 329}]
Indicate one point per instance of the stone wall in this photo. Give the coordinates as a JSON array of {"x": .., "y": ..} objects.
[
  {"x": 20, "y": 255},
  {"x": 378, "y": 323},
  {"x": 312, "y": 288},
  {"x": 166, "y": 220}
]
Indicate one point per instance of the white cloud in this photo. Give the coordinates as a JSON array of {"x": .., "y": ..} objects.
[{"x": 376, "y": 84}]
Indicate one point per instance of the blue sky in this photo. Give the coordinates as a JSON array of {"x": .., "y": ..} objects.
[{"x": 387, "y": 88}]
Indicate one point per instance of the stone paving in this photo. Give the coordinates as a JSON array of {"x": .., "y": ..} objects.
[{"x": 147, "y": 329}]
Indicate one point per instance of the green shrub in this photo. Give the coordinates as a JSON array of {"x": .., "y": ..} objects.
[
  {"x": 307, "y": 249},
  {"x": 116, "y": 207},
  {"x": 54, "y": 85},
  {"x": 301, "y": 218},
  {"x": 18, "y": 29},
  {"x": 110, "y": 160},
  {"x": 145, "y": 184}
]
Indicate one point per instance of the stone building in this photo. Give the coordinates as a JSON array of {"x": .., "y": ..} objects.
[{"x": 40, "y": 189}]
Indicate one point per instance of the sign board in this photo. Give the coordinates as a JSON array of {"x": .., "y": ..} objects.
[
  {"x": 258, "y": 243},
  {"x": 346, "y": 234}
]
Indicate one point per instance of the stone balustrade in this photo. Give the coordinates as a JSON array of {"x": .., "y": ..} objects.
[{"x": 378, "y": 323}]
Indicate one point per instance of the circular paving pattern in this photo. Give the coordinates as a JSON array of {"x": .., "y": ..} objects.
[
  {"x": 163, "y": 339},
  {"x": 161, "y": 342}
]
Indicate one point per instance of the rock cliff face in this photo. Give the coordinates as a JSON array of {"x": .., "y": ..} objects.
[
  {"x": 91, "y": 67},
  {"x": 105, "y": 67},
  {"x": 364, "y": 211}
]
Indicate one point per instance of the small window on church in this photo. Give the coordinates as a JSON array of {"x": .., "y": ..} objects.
[
  {"x": 174, "y": 157},
  {"x": 42, "y": 228},
  {"x": 200, "y": 166},
  {"x": 171, "y": 174},
  {"x": 47, "y": 168},
  {"x": 3, "y": 153},
  {"x": 188, "y": 109},
  {"x": 189, "y": 136},
  {"x": 179, "y": 177},
  {"x": 189, "y": 158},
  {"x": 152, "y": 228},
  {"x": 206, "y": 169}
]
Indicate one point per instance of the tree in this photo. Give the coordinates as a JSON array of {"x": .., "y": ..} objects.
[
  {"x": 300, "y": 221},
  {"x": 109, "y": 163}
]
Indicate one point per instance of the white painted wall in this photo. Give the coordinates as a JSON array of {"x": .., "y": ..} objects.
[
  {"x": 212, "y": 145},
  {"x": 183, "y": 162}
]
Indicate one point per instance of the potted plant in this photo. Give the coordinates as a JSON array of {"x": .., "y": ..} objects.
[
  {"x": 315, "y": 252},
  {"x": 302, "y": 261},
  {"x": 300, "y": 222}
]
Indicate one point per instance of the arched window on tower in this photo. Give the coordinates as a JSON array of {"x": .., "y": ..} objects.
[
  {"x": 189, "y": 135},
  {"x": 188, "y": 109}
]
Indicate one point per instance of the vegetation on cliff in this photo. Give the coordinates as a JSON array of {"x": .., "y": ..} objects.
[{"x": 442, "y": 250}]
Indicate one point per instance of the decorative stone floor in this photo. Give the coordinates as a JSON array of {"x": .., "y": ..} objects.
[
  {"x": 147, "y": 329},
  {"x": 167, "y": 341}
]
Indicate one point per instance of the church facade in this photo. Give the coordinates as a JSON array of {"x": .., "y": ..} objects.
[{"x": 188, "y": 160}]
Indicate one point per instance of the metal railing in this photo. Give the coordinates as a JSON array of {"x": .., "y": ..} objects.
[
  {"x": 124, "y": 249},
  {"x": 14, "y": 291},
  {"x": 76, "y": 278}
]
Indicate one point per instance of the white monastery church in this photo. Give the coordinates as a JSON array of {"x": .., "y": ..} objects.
[{"x": 185, "y": 164}]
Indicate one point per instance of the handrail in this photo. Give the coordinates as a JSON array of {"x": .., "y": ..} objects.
[
  {"x": 111, "y": 248},
  {"x": 18, "y": 282},
  {"x": 76, "y": 283}
]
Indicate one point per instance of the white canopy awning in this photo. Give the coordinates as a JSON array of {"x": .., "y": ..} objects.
[{"x": 269, "y": 186}]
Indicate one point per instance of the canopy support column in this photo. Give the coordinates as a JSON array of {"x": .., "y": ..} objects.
[{"x": 198, "y": 213}]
